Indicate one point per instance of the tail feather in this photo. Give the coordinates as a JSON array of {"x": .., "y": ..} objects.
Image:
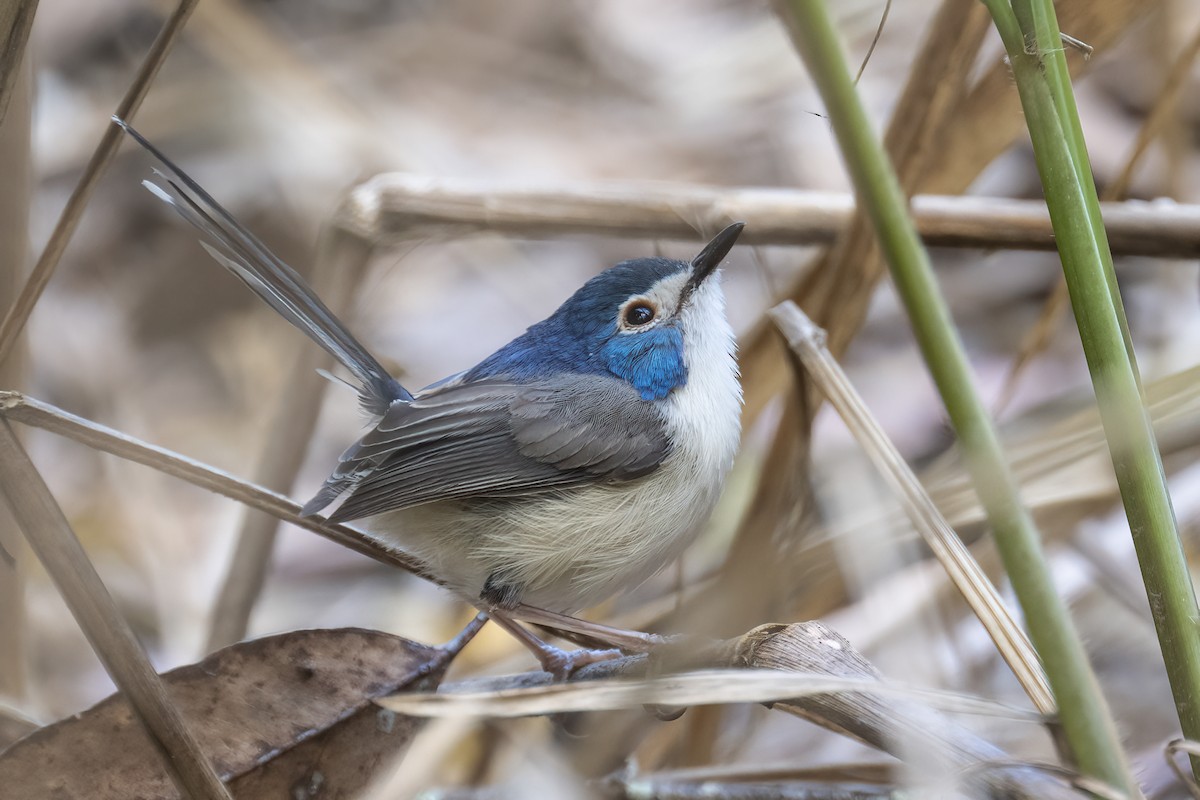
[{"x": 239, "y": 251}]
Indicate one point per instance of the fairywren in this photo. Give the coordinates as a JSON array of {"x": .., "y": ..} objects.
[{"x": 574, "y": 462}]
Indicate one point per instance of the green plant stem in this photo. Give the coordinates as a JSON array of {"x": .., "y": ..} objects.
[
  {"x": 1087, "y": 264},
  {"x": 1040, "y": 33},
  {"x": 1087, "y": 724}
]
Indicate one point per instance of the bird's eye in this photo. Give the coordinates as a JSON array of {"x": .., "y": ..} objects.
[{"x": 638, "y": 314}]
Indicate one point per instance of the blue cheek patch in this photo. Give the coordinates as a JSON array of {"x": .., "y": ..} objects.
[{"x": 652, "y": 362}]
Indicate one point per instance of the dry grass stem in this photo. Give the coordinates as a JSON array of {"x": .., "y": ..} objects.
[
  {"x": 808, "y": 342},
  {"x": 705, "y": 687},
  {"x": 1162, "y": 110},
  {"x": 882, "y": 772},
  {"x": 34, "y": 413},
  {"x": 51, "y": 538},
  {"x": 340, "y": 264},
  {"x": 16, "y": 20},
  {"x": 396, "y": 205},
  {"x": 631, "y": 641},
  {"x": 655, "y": 789},
  {"x": 18, "y": 314},
  {"x": 16, "y": 133}
]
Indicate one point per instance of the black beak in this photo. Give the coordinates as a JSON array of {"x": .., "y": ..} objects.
[{"x": 710, "y": 258}]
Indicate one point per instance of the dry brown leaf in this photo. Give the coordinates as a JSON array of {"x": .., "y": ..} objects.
[{"x": 283, "y": 716}]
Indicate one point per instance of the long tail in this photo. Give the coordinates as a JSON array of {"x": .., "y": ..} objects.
[{"x": 279, "y": 285}]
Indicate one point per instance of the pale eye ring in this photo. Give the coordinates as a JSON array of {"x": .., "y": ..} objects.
[{"x": 638, "y": 313}]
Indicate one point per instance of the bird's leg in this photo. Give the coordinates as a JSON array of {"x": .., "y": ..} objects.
[
  {"x": 450, "y": 650},
  {"x": 559, "y": 663},
  {"x": 500, "y": 596},
  {"x": 461, "y": 639}
]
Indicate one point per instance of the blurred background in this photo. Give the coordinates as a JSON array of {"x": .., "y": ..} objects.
[{"x": 280, "y": 108}]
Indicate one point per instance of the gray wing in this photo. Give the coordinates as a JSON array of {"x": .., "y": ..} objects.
[{"x": 497, "y": 439}]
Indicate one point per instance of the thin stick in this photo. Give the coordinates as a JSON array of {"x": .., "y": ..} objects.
[
  {"x": 32, "y": 412},
  {"x": 16, "y": 166},
  {"x": 16, "y": 20},
  {"x": 887, "y": 9},
  {"x": 18, "y": 315},
  {"x": 287, "y": 442},
  {"x": 628, "y": 640},
  {"x": 50, "y": 535},
  {"x": 808, "y": 342},
  {"x": 391, "y": 206}
]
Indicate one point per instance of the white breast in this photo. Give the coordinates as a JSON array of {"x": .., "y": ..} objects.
[{"x": 704, "y": 416}]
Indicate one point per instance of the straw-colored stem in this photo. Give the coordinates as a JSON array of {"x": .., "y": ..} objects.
[
  {"x": 51, "y": 538},
  {"x": 808, "y": 343},
  {"x": 1162, "y": 112},
  {"x": 16, "y": 20},
  {"x": 18, "y": 314},
  {"x": 32, "y": 412},
  {"x": 1087, "y": 725},
  {"x": 16, "y": 165},
  {"x": 1070, "y": 194},
  {"x": 395, "y": 206}
]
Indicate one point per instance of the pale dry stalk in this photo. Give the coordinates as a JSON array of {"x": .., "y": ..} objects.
[{"x": 50, "y": 536}]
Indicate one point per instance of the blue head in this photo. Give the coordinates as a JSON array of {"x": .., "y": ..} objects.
[{"x": 631, "y": 321}]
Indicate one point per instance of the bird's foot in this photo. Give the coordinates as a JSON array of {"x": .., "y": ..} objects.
[{"x": 562, "y": 664}]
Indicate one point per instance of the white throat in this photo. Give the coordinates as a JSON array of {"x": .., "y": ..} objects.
[{"x": 704, "y": 415}]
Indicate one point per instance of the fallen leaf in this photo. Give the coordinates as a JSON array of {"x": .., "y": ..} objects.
[{"x": 284, "y": 716}]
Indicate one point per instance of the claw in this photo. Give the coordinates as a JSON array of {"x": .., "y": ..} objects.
[{"x": 562, "y": 664}]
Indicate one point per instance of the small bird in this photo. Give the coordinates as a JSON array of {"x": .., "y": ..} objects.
[{"x": 573, "y": 463}]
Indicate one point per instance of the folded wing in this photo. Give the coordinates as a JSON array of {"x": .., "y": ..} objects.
[{"x": 494, "y": 438}]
